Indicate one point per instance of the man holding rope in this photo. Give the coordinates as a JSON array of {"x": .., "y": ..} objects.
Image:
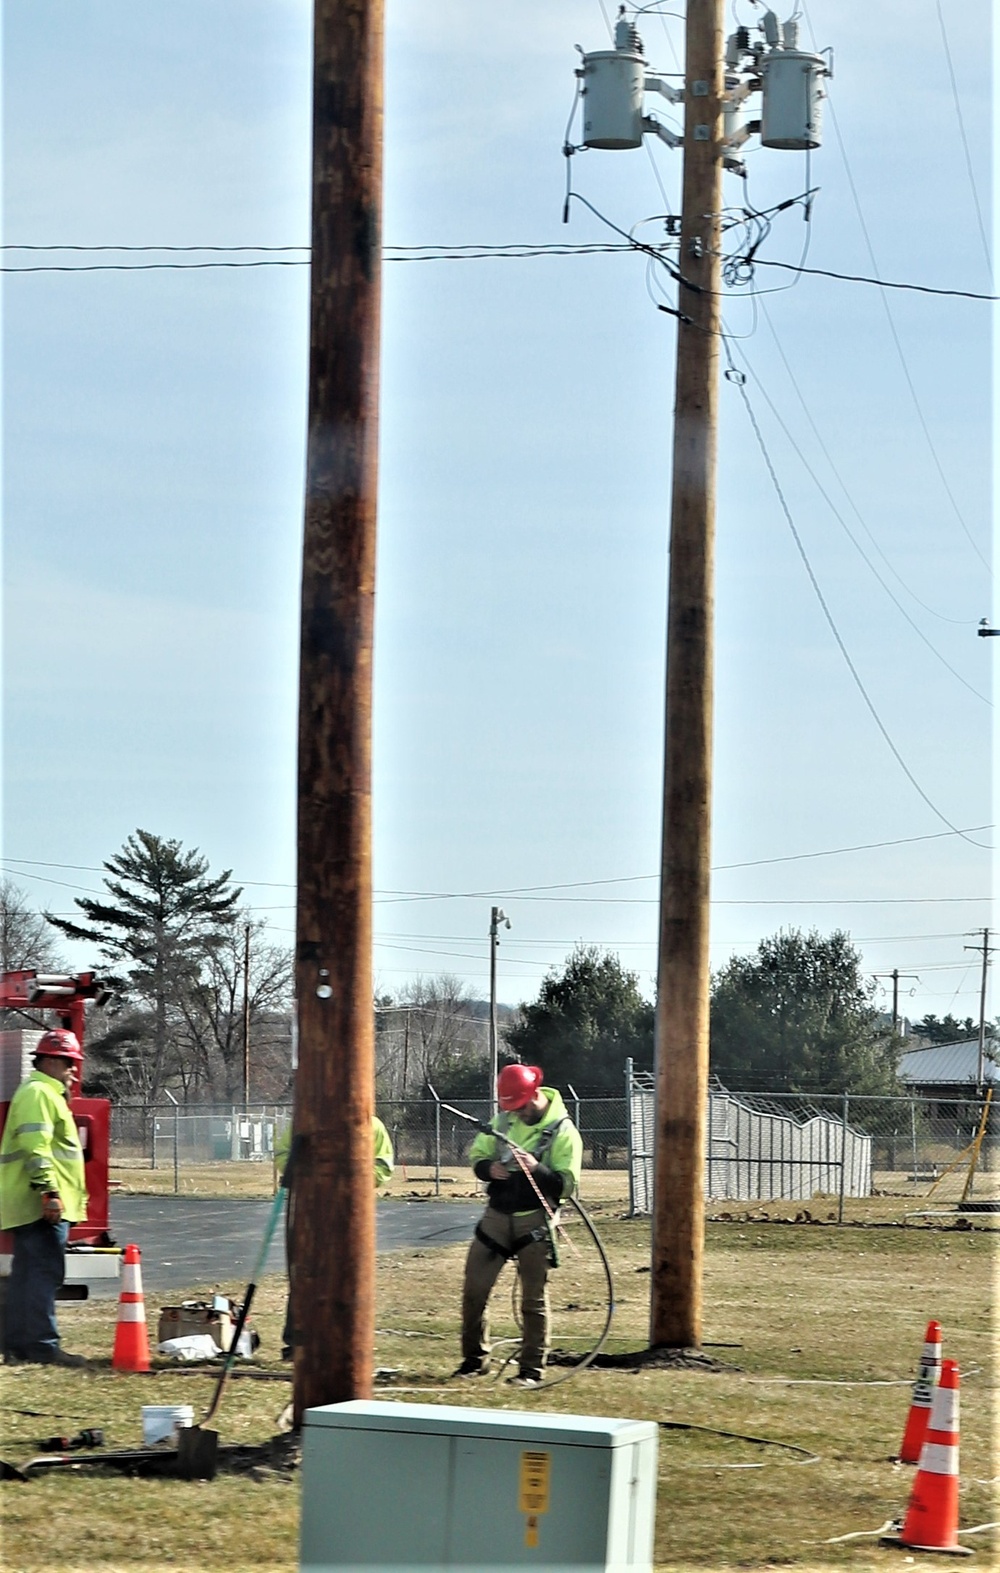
[{"x": 530, "y": 1161}]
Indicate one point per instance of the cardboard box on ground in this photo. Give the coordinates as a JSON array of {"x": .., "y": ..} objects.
[{"x": 193, "y": 1318}]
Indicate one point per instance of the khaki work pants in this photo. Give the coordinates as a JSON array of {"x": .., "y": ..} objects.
[{"x": 482, "y": 1269}]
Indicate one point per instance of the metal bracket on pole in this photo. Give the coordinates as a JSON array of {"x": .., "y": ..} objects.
[
  {"x": 656, "y": 128},
  {"x": 657, "y": 84}
]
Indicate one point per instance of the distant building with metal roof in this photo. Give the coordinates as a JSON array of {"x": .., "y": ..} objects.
[{"x": 949, "y": 1066}]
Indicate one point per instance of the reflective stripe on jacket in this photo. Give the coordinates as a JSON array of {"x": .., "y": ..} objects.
[
  {"x": 384, "y": 1161},
  {"x": 40, "y": 1151},
  {"x": 560, "y": 1150}
]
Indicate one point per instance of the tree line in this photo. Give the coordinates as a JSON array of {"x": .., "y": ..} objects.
[{"x": 197, "y": 981}]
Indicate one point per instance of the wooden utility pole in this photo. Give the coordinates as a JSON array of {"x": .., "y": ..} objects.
[
  {"x": 683, "y": 971},
  {"x": 895, "y": 975},
  {"x": 986, "y": 951},
  {"x": 246, "y": 1014},
  {"x": 497, "y": 916},
  {"x": 333, "y": 1226}
]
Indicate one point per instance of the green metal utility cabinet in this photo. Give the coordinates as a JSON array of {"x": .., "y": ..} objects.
[{"x": 407, "y": 1486}]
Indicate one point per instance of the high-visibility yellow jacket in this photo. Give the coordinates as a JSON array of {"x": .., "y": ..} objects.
[
  {"x": 40, "y": 1151},
  {"x": 384, "y": 1161},
  {"x": 554, "y": 1140}
]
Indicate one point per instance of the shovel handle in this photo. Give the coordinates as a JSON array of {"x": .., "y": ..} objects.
[{"x": 241, "y": 1320}]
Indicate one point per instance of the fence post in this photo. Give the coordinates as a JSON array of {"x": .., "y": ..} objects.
[
  {"x": 629, "y": 1143},
  {"x": 176, "y": 1133},
  {"x": 913, "y": 1139},
  {"x": 576, "y": 1103},
  {"x": 843, "y": 1159},
  {"x": 437, "y": 1140}
]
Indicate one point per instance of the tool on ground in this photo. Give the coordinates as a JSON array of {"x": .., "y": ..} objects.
[
  {"x": 133, "y": 1460},
  {"x": 552, "y": 1224},
  {"x": 91, "y": 1436},
  {"x": 197, "y": 1448}
]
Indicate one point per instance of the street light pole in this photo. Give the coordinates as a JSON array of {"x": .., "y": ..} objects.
[{"x": 497, "y": 916}]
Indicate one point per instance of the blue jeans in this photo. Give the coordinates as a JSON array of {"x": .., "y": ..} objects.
[{"x": 36, "y": 1273}]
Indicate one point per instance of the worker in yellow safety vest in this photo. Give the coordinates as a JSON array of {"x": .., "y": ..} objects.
[
  {"x": 524, "y": 1194},
  {"x": 42, "y": 1192},
  {"x": 384, "y": 1164}
]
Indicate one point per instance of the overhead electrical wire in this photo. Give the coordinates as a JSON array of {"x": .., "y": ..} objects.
[
  {"x": 740, "y": 383},
  {"x": 957, "y": 621},
  {"x": 574, "y": 884},
  {"x": 855, "y": 542},
  {"x": 965, "y": 141},
  {"x": 894, "y": 334},
  {"x": 476, "y": 252}
]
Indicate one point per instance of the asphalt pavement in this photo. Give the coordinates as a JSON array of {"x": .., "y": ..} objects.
[{"x": 207, "y": 1243}]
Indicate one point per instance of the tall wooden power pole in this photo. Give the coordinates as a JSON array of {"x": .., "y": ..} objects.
[
  {"x": 683, "y": 971},
  {"x": 333, "y": 1228}
]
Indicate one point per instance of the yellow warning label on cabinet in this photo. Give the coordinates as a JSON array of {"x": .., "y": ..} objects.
[{"x": 533, "y": 1495}]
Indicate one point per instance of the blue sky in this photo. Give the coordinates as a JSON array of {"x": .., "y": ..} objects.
[{"x": 154, "y": 429}]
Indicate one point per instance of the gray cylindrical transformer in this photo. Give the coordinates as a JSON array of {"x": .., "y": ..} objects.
[
  {"x": 613, "y": 85},
  {"x": 792, "y": 112}
]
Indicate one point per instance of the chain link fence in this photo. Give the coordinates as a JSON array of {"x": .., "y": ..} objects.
[
  {"x": 900, "y": 1156},
  {"x": 863, "y": 1157}
]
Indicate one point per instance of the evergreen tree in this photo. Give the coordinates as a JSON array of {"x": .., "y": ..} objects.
[
  {"x": 798, "y": 1016},
  {"x": 162, "y": 914},
  {"x": 587, "y": 1021}
]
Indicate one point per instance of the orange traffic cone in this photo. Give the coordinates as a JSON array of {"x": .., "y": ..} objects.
[
  {"x": 131, "y": 1351},
  {"x": 931, "y": 1522},
  {"x": 928, "y": 1372}
]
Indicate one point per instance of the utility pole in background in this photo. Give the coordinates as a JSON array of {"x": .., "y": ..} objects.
[
  {"x": 895, "y": 975},
  {"x": 985, "y": 950},
  {"x": 246, "y": 1015},
  {"x": 497, "y": 916},
  {"x": 683, "y": 970},
  {"x": 333, "y": 1214}
]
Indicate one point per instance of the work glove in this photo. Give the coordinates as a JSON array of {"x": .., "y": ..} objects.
[{"x": 52, "y": 1207}]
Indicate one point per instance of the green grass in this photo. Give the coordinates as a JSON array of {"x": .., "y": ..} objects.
[{"x": 810, "y": 1309}]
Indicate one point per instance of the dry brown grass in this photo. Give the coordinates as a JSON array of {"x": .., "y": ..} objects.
[{"x": 815, "y": 1319}]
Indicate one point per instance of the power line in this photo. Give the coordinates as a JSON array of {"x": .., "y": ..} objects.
[
  {"x": 879, "y": 283},
  {"x": 741, "y": 385},
  {"x": 895, "y": 336},
  {"x": 478, "y": 252},
  {"x": 854, "y": 540},
  {"x": 965, "y": 141},
  {"x": 957, "y": 621}
]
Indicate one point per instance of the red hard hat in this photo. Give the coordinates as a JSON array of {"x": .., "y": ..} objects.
[
  {"x": 59, "y": 1044},
  {"x": 517, "y": 1085}
]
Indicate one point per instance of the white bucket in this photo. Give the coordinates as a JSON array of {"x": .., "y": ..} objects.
[{"x": 160, "y": 1422}]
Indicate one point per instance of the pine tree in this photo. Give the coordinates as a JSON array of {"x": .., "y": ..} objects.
[
  {"x": 163, "y": 913},
  {"x": 798, "y": 1016}
]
